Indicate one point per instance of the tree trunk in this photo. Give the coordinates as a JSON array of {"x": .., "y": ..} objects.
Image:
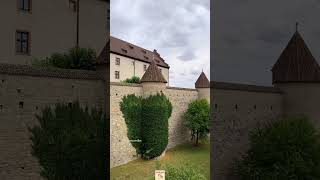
[{"x": 197, "y": 138}]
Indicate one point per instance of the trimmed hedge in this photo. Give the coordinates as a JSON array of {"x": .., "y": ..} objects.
[
  {"x": 70, "y": 142},
  {"x": 130, "y": 107},
  {"x": 156, "y": 111},
  {"x": 147, "y": 120},
  {"x": 286, "y": 149}
]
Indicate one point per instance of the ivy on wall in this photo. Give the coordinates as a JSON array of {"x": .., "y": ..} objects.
[
  {"x": 130, "y": 107},
  {"x": 147, "y": 120}
]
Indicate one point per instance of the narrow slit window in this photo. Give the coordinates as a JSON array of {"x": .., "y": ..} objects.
[{"x": 21, "y": 104}]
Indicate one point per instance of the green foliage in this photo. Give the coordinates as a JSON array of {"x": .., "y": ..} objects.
[
  {"x": 130, "y": 107},
  {"x": 76, "y": 58},
  {"x": 70, "y": 142},
  {"x": 197, "y": 118},
  {"x": 133, "y": 79},
  {"x": 147, "y": 120},
  {"x": 156, "y": 111},
  {"x": 183, "y": 172},
  {"x": 287, "y": 149}
]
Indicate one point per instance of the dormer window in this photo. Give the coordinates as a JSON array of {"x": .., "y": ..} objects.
[
  {"x": 144, "y": 51},
  {"x": 145, "y": 57},
  {"x": 123, "y": 50},
  {"x": 130, "y": 46}
]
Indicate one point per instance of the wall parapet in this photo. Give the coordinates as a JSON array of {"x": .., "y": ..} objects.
[
  {"x": 244, "y": 87},
  {"x": 125, "y": 84},
  {"x": 26, "y": 70},
  {"x": 178, "y": 88}
]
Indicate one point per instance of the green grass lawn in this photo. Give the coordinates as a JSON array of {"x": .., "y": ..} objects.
[{"x": 142, "y": 169}]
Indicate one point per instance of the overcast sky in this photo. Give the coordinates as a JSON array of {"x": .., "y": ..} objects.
[
  {"x": 249, "y": 35},
  {"x": 178, "y": 29}
]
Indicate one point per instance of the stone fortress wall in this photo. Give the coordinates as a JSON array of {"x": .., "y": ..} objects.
[
  {"x": 236, "y": 109},
  {"x": 121, "y": 150},
  {"x": 24, "y": 91}
]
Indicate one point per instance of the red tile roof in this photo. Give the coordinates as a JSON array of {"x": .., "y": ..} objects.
[
  {"x": 127, "y": 49},
  {"x": 202, "y": 81},
  {"x": 153, "y": 74},
  {"x": 296, "y": 63}
]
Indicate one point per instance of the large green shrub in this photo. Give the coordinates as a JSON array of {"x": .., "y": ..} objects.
[
  {"x": 147, "y": 120},
  {"x": 75, "y": 58},
  {"x": 156, "y": 111},
  {"x": 70, "y": 142},
  {"x": 130, "y": 107},
  {"x": 287, "y": 149},
  {"x": 197, "y": 118}
]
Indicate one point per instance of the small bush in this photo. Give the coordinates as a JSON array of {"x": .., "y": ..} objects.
[
  {"x": 70, "y": 142},
  {"x": 134, "y": 79},
  {"x": 197, "y": 119},
  {"x": 286, "y": 149},
  {"x": 156, "y": 111},
  {"x": 184, "y": 172},
  {"x": 130, "y": 107},
  {"x": 76, "y": 58}
]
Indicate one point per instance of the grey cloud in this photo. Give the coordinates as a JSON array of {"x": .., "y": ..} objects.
[{"x": 187, "y": 56}]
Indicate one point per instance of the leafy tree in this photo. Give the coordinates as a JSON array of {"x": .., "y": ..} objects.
[
  {"x": 76, "y": 58},
  {"x": 133, "y": 79},
  {"x": 197, "y": 119},
  {"x": 70, "y": 142},
  {"x": 286, "y": 149}
]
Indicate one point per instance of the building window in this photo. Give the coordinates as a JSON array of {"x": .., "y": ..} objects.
[
  {"x": 255, "y": 107},
  {"x": 160, "y": 70},
  {"x": 23, "y": 42},
  {"x": 117, "y": 61},
  {"x": 144, "y": 67},
  {"x": 117, "y": 74},
  {"x": 24, "y": 5}
]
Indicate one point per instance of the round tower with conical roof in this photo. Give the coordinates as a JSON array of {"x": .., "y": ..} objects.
[
  {"x": 297, "y": 74},
  {"x": 203, "y": 87},
  {"x": 153, "y": 81}
]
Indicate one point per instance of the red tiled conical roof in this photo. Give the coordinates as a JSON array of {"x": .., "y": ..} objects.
[
  {"x": 202, "y": 81},
  {"x": 153, "y": 74},
  {"x": 296, "y": 63}
]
